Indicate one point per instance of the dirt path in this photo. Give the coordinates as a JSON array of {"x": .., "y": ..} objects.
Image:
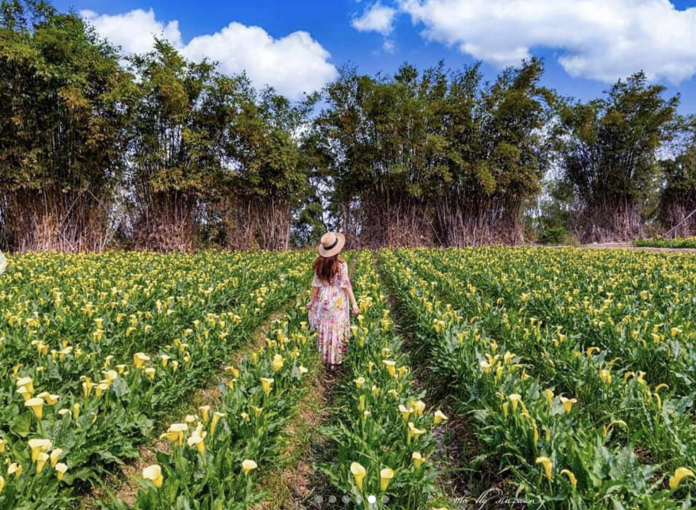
[{"x": 303, "y": 485}]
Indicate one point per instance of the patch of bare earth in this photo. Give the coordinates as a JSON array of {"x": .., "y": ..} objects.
[{"x": 290, "y": 483}]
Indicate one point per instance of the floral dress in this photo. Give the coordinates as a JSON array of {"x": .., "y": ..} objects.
[{"x": 329, "y": 316}]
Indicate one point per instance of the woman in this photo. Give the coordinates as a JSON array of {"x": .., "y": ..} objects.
[{"x": 331, "y": 294}]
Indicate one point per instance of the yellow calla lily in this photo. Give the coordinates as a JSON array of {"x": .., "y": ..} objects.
[
  {"x": 140, "y": 358},
  {"x": 38, "y": 446},
  {"x": 567, "y": 403},
  {"x": 417, "y": 459},
  {"x": 36, "y": 405},
  {"x": 515, "y": 398},
  {"x": 359, "y": 473},
  {"x": 248, "y": 466},
  {"x": 41, "y": 462},
  {"x": 154, "y": 474},
  {"x": 216, "y": 418},
  {"x": 571, "y": 478},
  {"x": 385, "y": 476},
  {"x": 391, "y": 367},
  {"x": 61, "y": 469},
  {"x": 26, "y": 382},
  {"x": 549, "y": 396},
  {"x": 15, "y": 469},
  {"x": 679, "y": 475},
  {"x": 439, "y": 417},
  {"x": 197, "y": 440},
  {"x": 548, "y": 466},
  {"x": 55, "y": 454},
  {"x": 266, "y": 384}
]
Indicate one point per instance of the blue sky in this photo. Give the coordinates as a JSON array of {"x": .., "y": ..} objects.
[{"x": 584, "y": 50}]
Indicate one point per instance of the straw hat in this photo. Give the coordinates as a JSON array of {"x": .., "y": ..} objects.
[{"x": 331, "y": 244}]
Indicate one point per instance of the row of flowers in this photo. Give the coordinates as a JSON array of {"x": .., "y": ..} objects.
[
  {"x": 117, "y": 406},
  {"x": 213, "y": 458},
  {"x": 565, "y": 423},
  {"x": 383, "y": 430}
]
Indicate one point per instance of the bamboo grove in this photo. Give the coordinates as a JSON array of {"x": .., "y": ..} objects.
[{"x": 155, "y": 152}]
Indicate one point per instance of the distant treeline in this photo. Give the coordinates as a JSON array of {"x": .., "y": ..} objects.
[{"x": 157, "y": 152}]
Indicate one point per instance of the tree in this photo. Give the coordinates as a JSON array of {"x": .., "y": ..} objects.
[
  {"x": 610, "y": 155},
  {"x": 435, "y": 159},
  {"x": 176, "y": 155},
  {"x": 64, "y": 110},
  {"x": 382, "y": 146},
  {"x": 496, "y": 154},
  {"x": 678, "y": 197},
  {"x": 268, "y": 172}
]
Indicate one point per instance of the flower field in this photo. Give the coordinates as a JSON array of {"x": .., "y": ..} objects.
[
  {"x": 572, "y": 372},
  {"x": 576, "y": 368},
  {"x": 679, "y": 242}
]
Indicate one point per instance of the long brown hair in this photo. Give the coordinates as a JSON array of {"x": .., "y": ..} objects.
[{"x": 327, "y": 267}]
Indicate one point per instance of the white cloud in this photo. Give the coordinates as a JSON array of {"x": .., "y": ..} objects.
[
  {"x": 600, "y": 39},
  {"x": 293, "y": 64},
  {"x": 376, "y": 18},
  {"x": 133, "y": 30}
]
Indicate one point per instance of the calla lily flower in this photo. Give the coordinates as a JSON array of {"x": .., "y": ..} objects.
[
  {"x": 266, "y": 384},
  {"x": 419, "y": 407},
  {"x": 2, "y": 484},
  {"x": 385, "y": 476},
  {"x": 549, "y": 396},
  {"x": 205, "y": 413},
  {"x": 391, "y": 367},
  {"x": 41, "y": 462},
  {"x": 567, "y": 403},
  {"x": 359, "y": 382},
  {"x": 277, "y": 362},
  {"x": 197, "y": 440},
  {"x": 175, "y": 434},
  {"x": 61, "y": 469},
  {"x": 248, "y": 466},
  {"x": 26, "y": 394},
  {"x": 405, "y": 412},
  {"x": 548, "y": 466},
  {"x": 571, "y": 478},
  {"x": 39, "y": 446},
  {"x": 216, "y": 419},
  {"x": 417, "y": 459},
  {"x": 26, "y": 382},
  {"x": 15, "y": 469},
  {"x": 54, "y": 456},
  {"x": 36, "y": 405},
  {"x": 358, "y": 473},
  {"x": 680, "y": 474},
  {"x": 439, "y": 417},
  {"x": 515, "y": 399},
  {"x": 140, "y": 358},
  {"x": 154, "y": 474}
]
